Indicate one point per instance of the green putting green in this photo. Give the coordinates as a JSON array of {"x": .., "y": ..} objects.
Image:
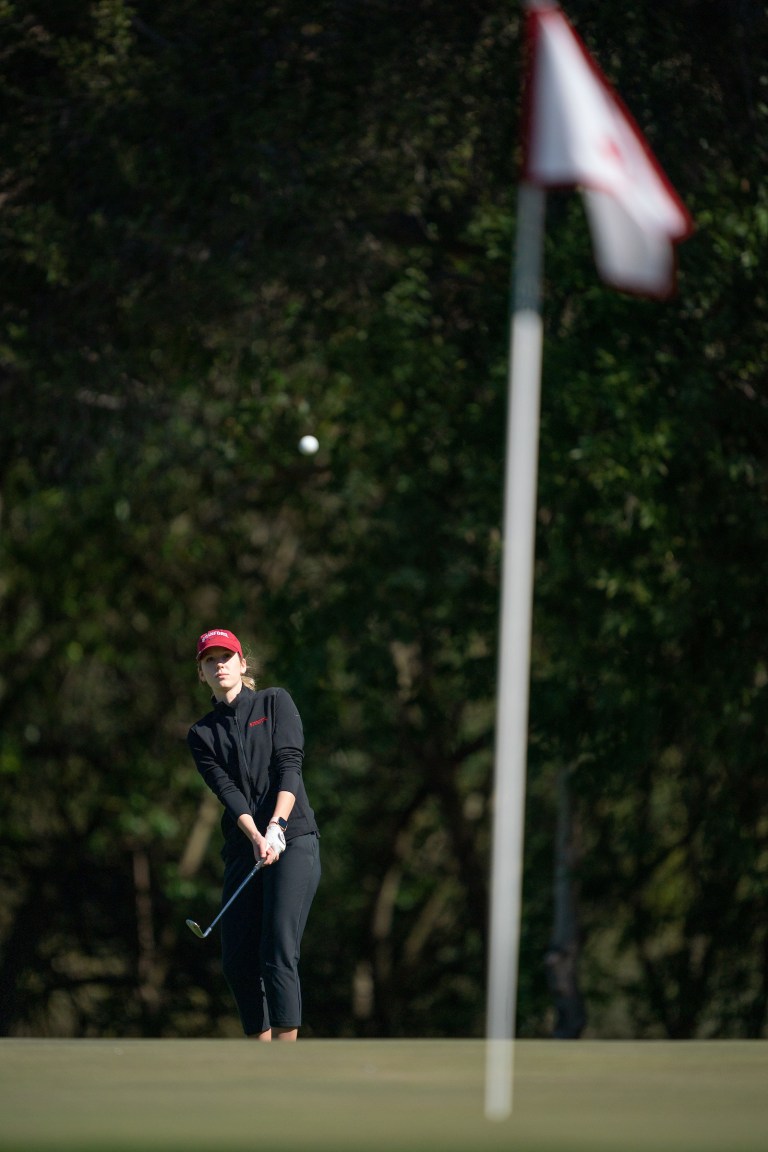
[{"x": 380, "y": 1096}]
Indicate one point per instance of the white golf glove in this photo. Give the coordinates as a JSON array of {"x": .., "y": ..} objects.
[{"x": 275, "y": 838}]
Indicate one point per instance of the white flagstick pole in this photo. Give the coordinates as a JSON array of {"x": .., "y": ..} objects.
[{"x": 514, "y": 650}]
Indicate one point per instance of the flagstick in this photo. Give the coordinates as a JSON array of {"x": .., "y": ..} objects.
[{"x": 514, "y": 650}]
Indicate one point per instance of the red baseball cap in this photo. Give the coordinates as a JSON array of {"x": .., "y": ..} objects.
[{"x": 218, "y": 638}]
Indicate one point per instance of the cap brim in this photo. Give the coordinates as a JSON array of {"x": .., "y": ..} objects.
[{"x": 226, "y": 648}]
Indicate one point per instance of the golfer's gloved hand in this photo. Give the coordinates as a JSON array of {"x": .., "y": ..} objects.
[{"x": 274, "y": 838}]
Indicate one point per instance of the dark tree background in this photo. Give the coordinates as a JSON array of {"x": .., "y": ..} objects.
[{"x": 225, "y": 225}]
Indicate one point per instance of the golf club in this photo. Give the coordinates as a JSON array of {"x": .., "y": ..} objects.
[{"x": 196, "y": 927}]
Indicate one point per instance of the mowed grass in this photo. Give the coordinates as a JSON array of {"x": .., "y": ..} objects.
[{"x": 380, "y": 1096}]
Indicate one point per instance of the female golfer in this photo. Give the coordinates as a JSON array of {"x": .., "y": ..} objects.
[{"x": 249, "y": 750}]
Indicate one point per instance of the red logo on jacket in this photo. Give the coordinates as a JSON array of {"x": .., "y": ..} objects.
[{"x": 253, "y": 723}]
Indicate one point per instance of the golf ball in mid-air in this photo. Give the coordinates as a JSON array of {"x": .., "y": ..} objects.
[{"x": 308, "y": 445}]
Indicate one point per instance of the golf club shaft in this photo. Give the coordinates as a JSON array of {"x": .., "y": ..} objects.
[{"x": 234, "y": 896}]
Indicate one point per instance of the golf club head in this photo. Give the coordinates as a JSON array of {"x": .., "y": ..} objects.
[{"x": 193, "y": 927}]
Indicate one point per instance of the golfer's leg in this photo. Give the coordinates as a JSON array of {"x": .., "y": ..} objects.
[
  {"x": 240, "y": 944},
  {"x": 289, "y": 889}
]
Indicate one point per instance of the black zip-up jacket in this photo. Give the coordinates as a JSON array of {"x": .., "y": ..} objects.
[{"x": 247, "y": 752}]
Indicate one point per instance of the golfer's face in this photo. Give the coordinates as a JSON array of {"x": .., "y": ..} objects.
[{"x": 222, "y": 671}]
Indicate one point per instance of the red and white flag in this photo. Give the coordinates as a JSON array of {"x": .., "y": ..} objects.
[{"x": 578, "y": 132}]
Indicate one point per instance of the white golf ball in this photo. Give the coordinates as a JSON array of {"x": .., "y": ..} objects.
[{"x": 308, "y": 445}]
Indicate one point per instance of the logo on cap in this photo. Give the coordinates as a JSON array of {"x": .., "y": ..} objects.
[{"x": 218, "y": 638}]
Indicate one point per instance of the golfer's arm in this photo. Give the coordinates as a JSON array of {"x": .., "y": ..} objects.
[
  {"x": 283, "y": 805},
  {"x": 283, "y": 808},
  {"x": 247, "y": 824}
]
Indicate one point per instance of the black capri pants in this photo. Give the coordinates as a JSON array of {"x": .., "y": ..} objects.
[{"x": 261, "y": 933}]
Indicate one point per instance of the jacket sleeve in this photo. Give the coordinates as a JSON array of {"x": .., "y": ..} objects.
[
  {"x": 219, "y": 781},
  {"x": 287, "y": 744}
]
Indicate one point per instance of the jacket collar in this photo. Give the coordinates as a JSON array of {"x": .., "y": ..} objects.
[{"x": 240, "y": 703}]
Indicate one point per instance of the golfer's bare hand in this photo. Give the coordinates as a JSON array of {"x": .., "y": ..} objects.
[{"x": 264, "y": 853}]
